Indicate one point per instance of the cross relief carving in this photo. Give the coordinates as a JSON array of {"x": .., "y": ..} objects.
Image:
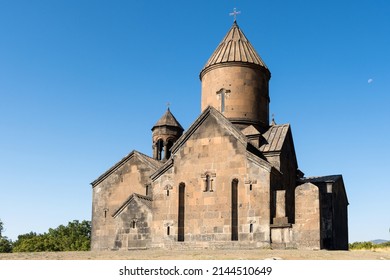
[
  {"x": 222, "y": 94},
  {"x": 250, "y": 182}
]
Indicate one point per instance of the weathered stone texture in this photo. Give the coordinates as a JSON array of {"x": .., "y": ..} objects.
[
  {"x": 307, "y": 217},
  {"x": 231, "y": 180},
  {"x": 208, "y": 212},
  {"x": 111, "y": 190},
  {"x": 247, "y": 101},
  {"x": 133, "y": 225}
]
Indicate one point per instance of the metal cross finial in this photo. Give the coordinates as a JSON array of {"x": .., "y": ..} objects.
[
  {"x": 235, "y": 13},
  {"x": 273, "y": 120},
  {"x": 168, "y": 104}
]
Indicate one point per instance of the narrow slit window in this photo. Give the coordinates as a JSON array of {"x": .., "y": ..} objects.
[
  {"x": 160, "y": 149},
  {"x": 251, "y": 228},
  {"x": 134, "y": 223},
  {"x": 168, "y": 230},
  {"x": 168, "y": 149},
  {"x": 181, "y": 215},
  {"x": 234, "y": 210},
  {"x": 207, "y": 183}
]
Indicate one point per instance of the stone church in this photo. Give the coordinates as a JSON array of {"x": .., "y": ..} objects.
[{"x": 231, "y": 180}]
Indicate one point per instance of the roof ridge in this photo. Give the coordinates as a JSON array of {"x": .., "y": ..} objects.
[
  {"x": 127, "y": 202},
  {"x": 210, "y": 110},
  {"x": 143, "y": 196},
  {"x": 153, "y": 161},
  {"x": 323, "y": 177},
  {"x": 274, "y": 137}
]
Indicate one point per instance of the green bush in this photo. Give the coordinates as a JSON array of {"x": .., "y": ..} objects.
[
  {"x": 5, "y": 243},
  {"x": 368, "y": 245},
  {"x": 384, "y": 245},
  {"x": 75, "y": 236},
  {"x": 361, "y": 245}
]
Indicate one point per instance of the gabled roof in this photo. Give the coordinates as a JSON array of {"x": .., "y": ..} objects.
[
  {"x": 221, "y": 119},
  {"x": 322, "y": 179},
  {"x": 261, "y": 162},
  {"x": 250, "y": 130},
  {"x": 274, "y": 137},
  {"x": 326, "y": 179},
  {"x": 166, "y": 166},
  {"x": 234, "y": 47},
  {"x": 168, "y": 119},
  {"x": 252, "y": 152},
  {"x": 152, "y": 163},
  {"x": 146, "y": 200}
]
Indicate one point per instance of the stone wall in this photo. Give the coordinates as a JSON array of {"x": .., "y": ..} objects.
[
  {"x": 334, "y": 214},
  {"x": 306, "y": 230},
  {"x": 247, "y": 98},
  {"x": 133, "y": 226},
  {"x": 207, "y": 165},
  {"x": 111, "y": 192}
]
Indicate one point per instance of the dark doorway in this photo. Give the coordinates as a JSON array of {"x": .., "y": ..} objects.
[
  {"x": 180, "y": 233},
  {"x": 234, "y": 210}
]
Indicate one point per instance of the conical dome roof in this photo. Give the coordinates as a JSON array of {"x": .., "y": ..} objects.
[
  {"x": 234, "y": 47},
  {"x": 168, "y": 120}
]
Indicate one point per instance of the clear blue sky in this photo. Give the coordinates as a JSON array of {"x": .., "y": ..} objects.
[{"x": 83, "y": 82}]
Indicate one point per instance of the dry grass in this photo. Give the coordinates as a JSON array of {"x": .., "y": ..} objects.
[{"x": 159, "y": 254}]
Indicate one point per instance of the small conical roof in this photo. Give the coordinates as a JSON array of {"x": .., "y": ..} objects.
[
  {"x": 235, "y": 47},
  {"x": 168, "y": 120}
]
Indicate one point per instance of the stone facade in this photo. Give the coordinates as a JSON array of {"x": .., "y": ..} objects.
[{"x": 231, "y": 180}]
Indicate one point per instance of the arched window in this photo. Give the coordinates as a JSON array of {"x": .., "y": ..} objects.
[
  {"x": 207, "y": 183},
  {"x": 147, "y": 190},
  {"x": 181, "y": 212},
  {"x": 167, "y": 188},
  {"x": 234, "y": 205},
  {"x": 168, "y": 149},
  {"x": 160, "y": 149}
]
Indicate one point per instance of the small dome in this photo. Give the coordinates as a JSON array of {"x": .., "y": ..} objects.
[{"x": 168, "y": 120}]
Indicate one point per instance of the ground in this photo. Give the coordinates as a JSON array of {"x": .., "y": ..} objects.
[{"x": 157, "y": 254}]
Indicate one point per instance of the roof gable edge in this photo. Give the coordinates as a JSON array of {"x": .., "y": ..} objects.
[
  {"x": 112, "y": 169},
  {"x": 134, "y": 196},
  {"x": 199, "y": 121}
]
